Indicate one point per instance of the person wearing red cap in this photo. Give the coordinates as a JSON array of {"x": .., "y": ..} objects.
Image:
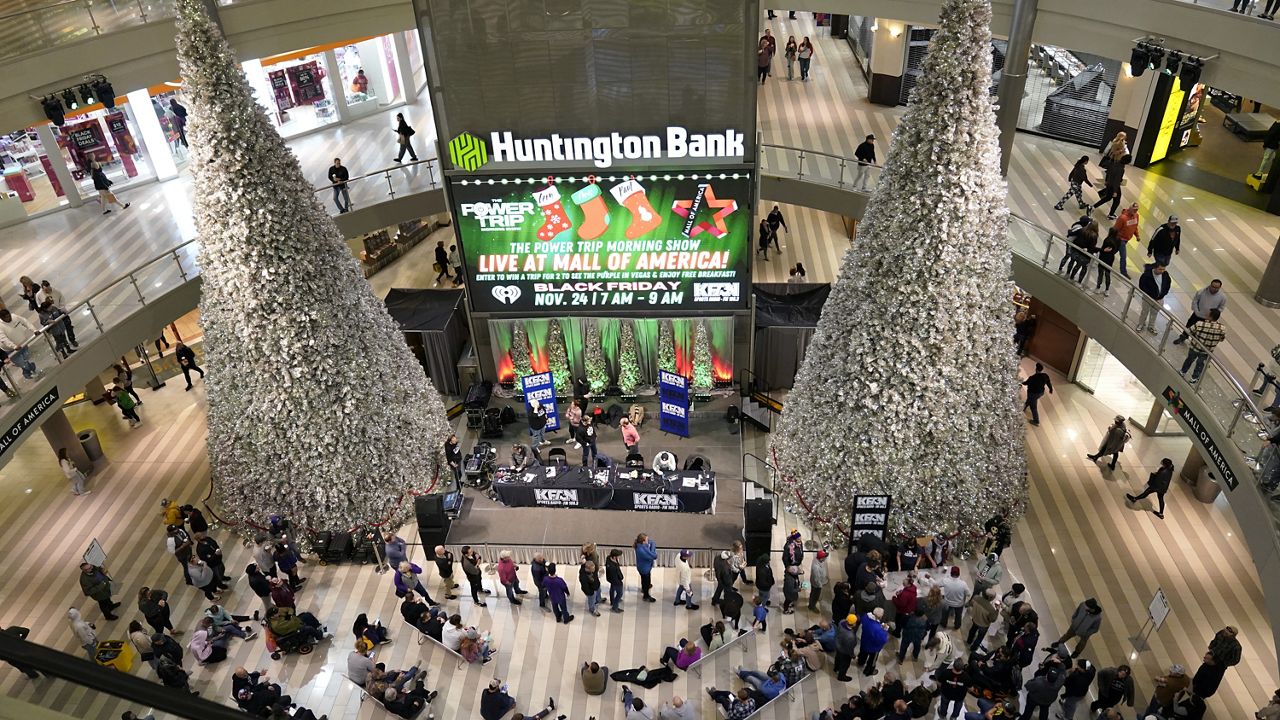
[{"x": 818, "y": 579}]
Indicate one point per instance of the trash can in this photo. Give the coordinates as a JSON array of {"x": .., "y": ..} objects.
[
  {"x": 89, "y": 441},
  {"x": 1206, "y": 487}
]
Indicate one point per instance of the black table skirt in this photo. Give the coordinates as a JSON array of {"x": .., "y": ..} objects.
[{"x": 573, "y": 489}]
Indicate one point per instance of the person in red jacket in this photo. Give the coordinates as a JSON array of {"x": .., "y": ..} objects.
[
  {"x": 905, "y": 601},
  {"x": 1126, "y": 229},
  {"x": 509, "y": 578}
]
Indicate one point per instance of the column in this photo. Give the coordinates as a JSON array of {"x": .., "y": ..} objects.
[
  {"x": 888, "y": 62},
  {"x": 59, "y": 166},
  {"x": 95, "y": 389},
  {"x": 405, "y": 66},
  {"x": 335, "y": 87},
  {"x": 58, "y": 431},
  {"x": 1268, "y": 293},
  {"x": 1190, "y": 470},
  {"x": 153, "y": 138},
  {"x": 1013, "y": 79}
]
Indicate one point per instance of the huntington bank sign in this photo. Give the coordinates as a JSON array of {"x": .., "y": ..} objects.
[
  {"x": 1179, "y": 408},
  {"x": 468, "y": 152}
]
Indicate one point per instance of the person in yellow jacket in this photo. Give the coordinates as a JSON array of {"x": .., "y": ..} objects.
[{"x": 171, "y": 512}]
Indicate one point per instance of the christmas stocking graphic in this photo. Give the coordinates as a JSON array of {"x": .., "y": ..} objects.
[
  {"x": 554, "y": 220},
  {"x": 595, "y": 213},
  {"x": 630, "y": 195}
]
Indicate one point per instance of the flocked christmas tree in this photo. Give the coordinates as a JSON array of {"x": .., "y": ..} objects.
[
  {"x": 317, "y": 409},
  {"x": 909, "y": 385},
  {"x": 593, "y": 357},
  {"x": 702, "y": 379},
  {"x": 629, "y": 359},
  {"x": 520, "y": 351}
]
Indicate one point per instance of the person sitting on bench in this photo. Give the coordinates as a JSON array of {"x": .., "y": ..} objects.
[
  {"x": 738, "y": 706},
  {"x": 380, "y": 679},
  {"x": 688, "y": 654},
  {"x": 414, "y": 611},
  {"x": 408, "y": 704}
]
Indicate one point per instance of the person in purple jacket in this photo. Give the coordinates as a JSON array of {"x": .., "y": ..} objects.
[
  {"x": 406, "y": 579},
  {"x": 558, "y": 590}
]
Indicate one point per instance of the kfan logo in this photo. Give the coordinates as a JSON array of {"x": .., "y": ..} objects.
[
  {"x": 656, "y": 501},
  {"x": 556, "y": 497},
  {"x": 716, "y": 292}
]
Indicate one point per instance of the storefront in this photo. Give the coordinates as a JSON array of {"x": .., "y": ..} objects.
[
  {"x": 1097, "y": 371},
  {"x": 1068, "y": 95},
  {"x": 369, "y": 74}
]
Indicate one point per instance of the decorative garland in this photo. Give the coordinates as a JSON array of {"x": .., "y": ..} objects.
[
  {"x": 597, "y": 370},
  {"x": 629, "y": 360},
  {"x": 702, "y": 376}
]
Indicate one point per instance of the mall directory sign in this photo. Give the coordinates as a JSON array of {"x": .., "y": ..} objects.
[{"x": 594, "y": 245}]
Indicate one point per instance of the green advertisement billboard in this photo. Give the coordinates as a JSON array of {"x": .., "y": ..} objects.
[{"x": 593, "y": 245}]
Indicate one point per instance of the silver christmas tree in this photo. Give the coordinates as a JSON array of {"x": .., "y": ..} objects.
[
  {"x": 909, "y": 386},
  {"x": 317, "y": 409}
]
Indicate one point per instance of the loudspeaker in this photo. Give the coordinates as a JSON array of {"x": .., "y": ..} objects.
[
  {"x": 430, "y": 512},
  {"x": 758, "y": 516},
  {"x": 757, "y": 544}
]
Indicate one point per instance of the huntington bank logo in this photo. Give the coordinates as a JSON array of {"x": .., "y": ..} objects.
[{"x": 468, "y": 152}]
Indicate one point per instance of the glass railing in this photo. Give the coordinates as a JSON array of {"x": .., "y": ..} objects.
[
  {"x": 112, "y": 304},
  {"x": 818, "y": 167}
]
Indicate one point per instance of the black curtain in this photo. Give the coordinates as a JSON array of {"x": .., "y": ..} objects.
[
  {"x": 786, "y": 316},
  {"x": 435, "y": 330}
]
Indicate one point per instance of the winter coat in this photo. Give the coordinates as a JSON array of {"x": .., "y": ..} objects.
[
  {"x": 945, "y": 654},
  {"x": 914, "y": 629},
  {"x": 874, "y": 635},
  {"x": 987, "y": 574},
  {"x": 1108, "y": 675},
  {"x": 846, "y": 638},
  {"x": 507, "y": 572},
  {"x": 792, "y": 554},
  {"x": 905, "y": 600},
  {"x": 1084, "y": 623},
  {"x": 96, "y": 584},
  {"x": 402, "y": 587},
  {"x": 1225, "y": 649},
  {"x": 588, "y": 581},
  {"x": 1078, "y": 681},
  {"x": 1043, "y": 689},
  {"x": 258, "y": 583},
  {"x": 1159, "y": 480},
  {"x": 646, "y": 556},
  {"x": 1207, "y": 679},
  {"x": 982, "y": 612},
  {"x": 538, "y": 569},
  {"x": 84, "y": 631},
  {"x": 724, "y": 572},
  {"x": 818, "y": 574},
  {"x": 1152, "y": 286},
  {"x": 613, "y": 572},
  {"x": 1113, "y": 442},
  {"x": 200, "y": 645},
  {"x": 471, "y": 567}
]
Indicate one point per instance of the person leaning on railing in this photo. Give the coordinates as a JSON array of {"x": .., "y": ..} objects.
[{"x": 1208, "y": 334}]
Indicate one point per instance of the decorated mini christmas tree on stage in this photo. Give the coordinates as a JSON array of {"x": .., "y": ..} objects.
[
  {"x": 909, "y": 385},
  {"x": 317, "y": 409}
]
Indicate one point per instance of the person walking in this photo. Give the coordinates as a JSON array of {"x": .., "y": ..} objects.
[
  {"x": 74, "y": 476},
  {"x": 455, "y": 262},
  {"x": 684, "y": 589},
  {"x": 805, "y": 55},
  {"x": 558, "y": 593},
  {"x": 442, "y": 262},
  {"x": 1114, "y": 160},
  {"x": 103, "y": 184},
  {"x": 1126, "y": 228},
  {"x": 338, "y": 176},
  {"x": 86, "y": 633},
  {"x": 1036, "y": 384},
  {"x": 187, "y": 361},
  {"x": 1206, "y": 299},
  {"x": 471, "y": 569},
  {"x": 1154, "y": 284},
  {"x": 1208, "y": 334},
  {"x": 865, "y": 154},
  {"x": 1157, "y": 483},
  {"x": 762, "y": 62},
  {"x": 1086, "y": 621},
  {"x": 613, "y": 575},
  {"x": 770, "y": 44},
  {"x": 15, "y": 332},
  {"x": 818, "y": 579},
  {"x": 403, "y": 135},
  {"x": 179, "y": 120},
  {"x": 1082, "y": 242},
  {"x": 725, "y": 575},
  {"x": 508, "y": 575},
  {"x": 790, "y": 53},
  {"x": 1166, "y": 242},
  {"x": 1076, "y": 180},
  {"x": 95, "y": 584},
  {"x": 1111, "y": 246},
  {"x": 646, "y": 556},
  {"x": 764, "y": 239},
  {"x": 127, "y": 405},
  {"x": 1113, "y": 442},
  {"x": 775, "y": 220},
  {"x": 124, "y": 378}
]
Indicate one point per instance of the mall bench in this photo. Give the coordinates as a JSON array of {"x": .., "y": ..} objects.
[
  {"x": 789, "y": 693},
  {"x": 423, "y": 638},
  {"x": 696, "y": 667}
]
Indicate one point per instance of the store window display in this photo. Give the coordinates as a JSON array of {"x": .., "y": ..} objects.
[
  {"x": 30, "y": 186},
  {"x": 171, "y": 111},
  {"x": 109, "y": 138},
  {"x": 293, "y": 90},
  {"x": 369, "y": 73}
]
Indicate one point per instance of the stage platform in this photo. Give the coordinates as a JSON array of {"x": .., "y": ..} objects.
[{"x": 485, "y": 521}]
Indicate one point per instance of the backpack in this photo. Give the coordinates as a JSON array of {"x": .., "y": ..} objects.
[{"x": 171, "y": 674}]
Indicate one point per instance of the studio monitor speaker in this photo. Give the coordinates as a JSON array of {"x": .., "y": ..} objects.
[
  {"x": 430, "y": 512},
  {"x": 758, "y": 516},
  {"x": 757, "y": 544}
]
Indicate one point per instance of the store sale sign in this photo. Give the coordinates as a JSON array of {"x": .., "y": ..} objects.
[
  {"x": 598, "y": 245},
  {"x": 673, "y": 408}
]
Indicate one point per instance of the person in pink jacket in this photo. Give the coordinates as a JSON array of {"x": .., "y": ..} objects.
[
  {"x": 509, "y": 578},
  {"x": 630, "y": 435}
]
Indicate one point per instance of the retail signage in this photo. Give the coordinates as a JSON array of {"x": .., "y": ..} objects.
[
  {"x": 118, "y": 126},
  {"x": 306, "y": 82},
  {"x": 603, "y": 151},
  {"x": 1169, "y": 121},
  {"x": 603, "y": 245},
  {"x": 673, "y": 403},
  {"x": 870, "y": 516},
  {"x": 541, "y": 387},
  {"x": 1225, "y": 475},
  {"x": 280, "y": 88},
  {"x": 33, "y": 413}
]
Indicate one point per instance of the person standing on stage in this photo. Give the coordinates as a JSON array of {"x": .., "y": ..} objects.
[
  {"x": 646, "y": 556},
  {"x": 587, "y": 439},
  {"x": 537, "y": 424},
  {"x": 630, "y": 436}
]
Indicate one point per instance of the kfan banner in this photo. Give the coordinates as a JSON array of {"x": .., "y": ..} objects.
[
  {"x": 595, "y": 245},
  {"x": 673, "y": 408},
  {"x": 870, "y": 516},
  {"x": 541, "y": 387}
]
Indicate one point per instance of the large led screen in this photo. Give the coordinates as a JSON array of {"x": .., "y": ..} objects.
[{"x": 598, "y": 245}]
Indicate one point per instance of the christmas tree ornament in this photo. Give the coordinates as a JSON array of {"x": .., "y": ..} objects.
[
  {"x": 555, "y": 221},
  {"x": 595, "y": 213},
  {"x": 909, "y": 386},
  {"x": 318, "y": 411},
  {"x": 631, "y": 195}
]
